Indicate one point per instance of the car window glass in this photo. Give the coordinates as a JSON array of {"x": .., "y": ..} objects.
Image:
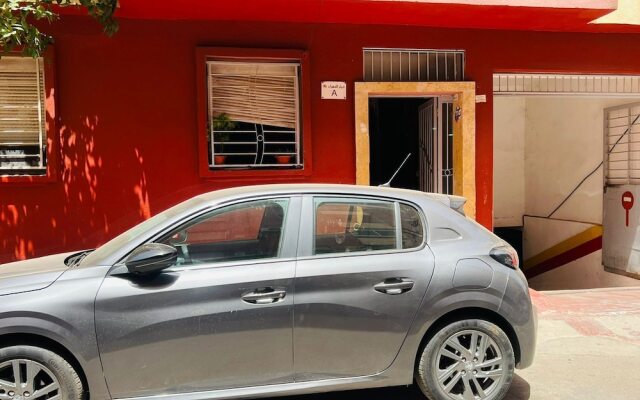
[
  {"x": 247, "y": 231},
  {"x": 141, "y": 229},
  {"x": 412, "y": 228},
  {"x": 343, "y": 226}
]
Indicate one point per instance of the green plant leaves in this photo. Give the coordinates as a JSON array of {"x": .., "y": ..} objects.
[{"x": 17, "y": 18}]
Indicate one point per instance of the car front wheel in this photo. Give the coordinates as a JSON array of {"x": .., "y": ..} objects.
[
  {"x": 466, "y": 360},
  {"x": 28, "y": 372}
]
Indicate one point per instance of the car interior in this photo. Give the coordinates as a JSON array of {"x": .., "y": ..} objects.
[
  {"x": 201, "y": 242},
  {"x": 367, "y": 228}
]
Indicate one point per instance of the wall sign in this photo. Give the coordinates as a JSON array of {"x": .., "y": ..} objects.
[
  {"x": 334, "y": 90},
  {"x": 627, "y": 204}
]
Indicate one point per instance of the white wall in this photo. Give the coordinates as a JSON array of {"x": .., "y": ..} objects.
[
  {"x": 508, "y": 153},
  {"x": 562, "y": 141}
]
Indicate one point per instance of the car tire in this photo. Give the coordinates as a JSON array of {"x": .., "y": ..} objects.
[
  {"x": 53, "y": 375},
  {"x": 447, "y": 367}
]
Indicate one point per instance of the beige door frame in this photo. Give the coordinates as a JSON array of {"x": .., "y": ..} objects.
[{"x": 464, "y": 128}]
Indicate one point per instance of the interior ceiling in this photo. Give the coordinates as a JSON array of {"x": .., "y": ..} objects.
[{"x": 530, "y": 15}]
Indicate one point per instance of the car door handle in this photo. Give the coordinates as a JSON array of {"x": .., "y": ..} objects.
[
  {"x": 264, "y": 296},
  {"x": 394, "y": 286}
]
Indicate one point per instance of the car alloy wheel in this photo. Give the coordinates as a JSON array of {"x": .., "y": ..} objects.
[
  {"x": 470, "y": 366},
  {"x": 470, "y": 359},
  {"x": 22, "y": 379}
]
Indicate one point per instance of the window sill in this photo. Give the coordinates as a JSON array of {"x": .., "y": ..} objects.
[
  {"x": 27, "y": 179},
  {"x": 255, "y": 173}
]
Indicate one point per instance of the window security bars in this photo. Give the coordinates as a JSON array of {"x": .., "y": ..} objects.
[
  {"x": 406, "y": 65},
  {"x": 254, "y": 118}
]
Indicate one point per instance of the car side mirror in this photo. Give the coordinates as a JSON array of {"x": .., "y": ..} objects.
[{"x": 151, "y": 258}]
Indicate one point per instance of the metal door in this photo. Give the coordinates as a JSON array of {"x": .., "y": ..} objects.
[
  {"x": 201, "y": 327},
  {"x": 435, "y": 141},
  {"x": 620, "y": 240},
  {"x": 353, "y": 309},
  {"x": 428, "y": 143}
]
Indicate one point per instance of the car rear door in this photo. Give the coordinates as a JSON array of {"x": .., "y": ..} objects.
[
  {"x": 221, "y": 318},
  {"x": 363, "y": 269}
]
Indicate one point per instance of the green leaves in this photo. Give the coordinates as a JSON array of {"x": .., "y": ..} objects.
[{"x": 17, "y": 19}]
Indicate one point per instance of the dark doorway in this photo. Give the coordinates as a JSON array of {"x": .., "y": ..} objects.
[{"x": 393, "y": 133}]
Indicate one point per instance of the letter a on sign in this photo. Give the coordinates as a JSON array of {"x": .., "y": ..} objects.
[{"x": 334, "y": 90}]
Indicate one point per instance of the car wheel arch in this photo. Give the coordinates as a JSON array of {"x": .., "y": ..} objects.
[
  {"x": 463, "y": 313},
  {"x": 44, "y": 342}
]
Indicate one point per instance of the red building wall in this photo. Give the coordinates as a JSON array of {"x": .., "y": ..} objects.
[{"x": 127, "y": 114}]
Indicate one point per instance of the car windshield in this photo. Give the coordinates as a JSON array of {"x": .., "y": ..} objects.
[{"x": 149, "y": 225}]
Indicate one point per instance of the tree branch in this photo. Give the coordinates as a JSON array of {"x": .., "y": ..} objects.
[{"x": 17, "y": 19}]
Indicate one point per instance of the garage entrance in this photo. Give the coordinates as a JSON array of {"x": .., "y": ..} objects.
[{"x": 565, "y": 151}]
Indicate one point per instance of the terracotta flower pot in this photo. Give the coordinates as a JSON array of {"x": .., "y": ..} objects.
[
  {"x": 219, "y": 159},
  {"x": 283, "y": 159}
]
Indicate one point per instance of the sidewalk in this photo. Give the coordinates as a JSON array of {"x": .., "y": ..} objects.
[{"x": 588, "y": 349}]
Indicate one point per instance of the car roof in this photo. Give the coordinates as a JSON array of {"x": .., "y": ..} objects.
[
  {"x": 105, "y": 256},
  {"x": 306, "y": 188}
]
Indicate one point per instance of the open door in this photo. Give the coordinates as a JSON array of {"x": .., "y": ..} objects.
[
  {"x": 428, "y": 145},
  {"x": 463, "y": 158}
]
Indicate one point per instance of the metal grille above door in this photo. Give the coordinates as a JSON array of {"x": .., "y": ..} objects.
[
  {"x": 410, "y": 65},
  {"x": 566, "y": 84}
]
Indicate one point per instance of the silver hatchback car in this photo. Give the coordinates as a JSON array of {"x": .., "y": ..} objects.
[{"x": 272, "y": 290}]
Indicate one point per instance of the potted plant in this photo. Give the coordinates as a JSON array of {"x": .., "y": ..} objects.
[
  {"x": 222, "y": 125},
  {"x": 284, "y": 158},
  {"x": 282, "y": 154}
]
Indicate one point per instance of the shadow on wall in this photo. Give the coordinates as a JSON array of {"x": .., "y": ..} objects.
[{"x": 74, "y": 211}]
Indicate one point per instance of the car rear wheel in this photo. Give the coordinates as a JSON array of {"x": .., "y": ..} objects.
[
  {"x": 28, "y": 372},
  {"x": 466, "y": 360}
]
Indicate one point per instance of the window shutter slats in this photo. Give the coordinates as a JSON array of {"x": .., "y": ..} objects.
[
  {"x": 260, "y": 104},
  {"x": 21, "y": 102},
  {"x": 22, "y": 115},
  {"x": 254, "y": 93}
]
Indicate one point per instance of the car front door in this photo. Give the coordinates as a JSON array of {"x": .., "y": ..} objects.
[
  {"x": 221, "y": 318},
  {"x": 362, "y": 271}
]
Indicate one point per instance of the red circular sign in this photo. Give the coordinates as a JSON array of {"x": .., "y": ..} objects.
[{"x": 627, "y": 200}]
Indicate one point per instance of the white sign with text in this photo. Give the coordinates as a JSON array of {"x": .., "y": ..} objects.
[{"x": 334, "y": 90}]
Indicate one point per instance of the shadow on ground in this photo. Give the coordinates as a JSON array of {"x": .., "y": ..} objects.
[{"x": 520, "y": 390}]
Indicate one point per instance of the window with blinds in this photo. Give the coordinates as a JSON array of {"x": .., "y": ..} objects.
[
  {"x": 22, "y": 116},
  {"x": 254, "y": 113},
  {"x": 622, "y": 145}
]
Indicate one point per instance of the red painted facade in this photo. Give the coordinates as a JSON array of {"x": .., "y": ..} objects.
[{"x": 127, "y": 119}]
